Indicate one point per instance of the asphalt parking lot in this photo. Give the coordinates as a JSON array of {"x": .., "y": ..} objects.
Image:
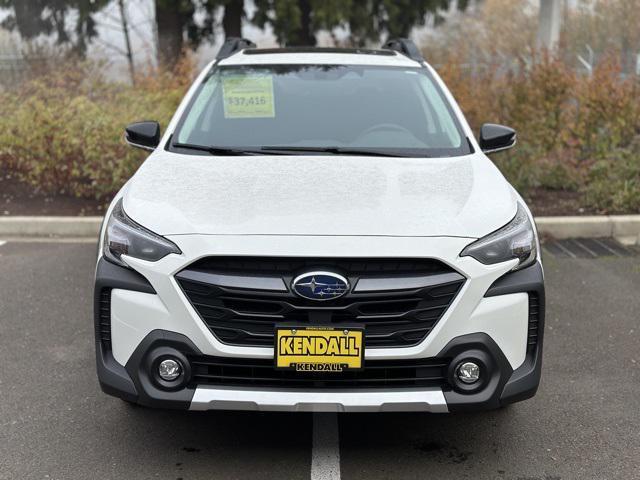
[{"x": 56, "y": 424}]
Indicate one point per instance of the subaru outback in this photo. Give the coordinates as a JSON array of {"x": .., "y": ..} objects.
[{"x": 318, "y": 229}]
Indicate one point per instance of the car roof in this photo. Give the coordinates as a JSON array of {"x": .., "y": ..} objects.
[{"x": 319, "y": 56}]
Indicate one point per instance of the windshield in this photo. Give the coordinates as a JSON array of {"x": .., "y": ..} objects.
[{"x": 321, "y": 107}]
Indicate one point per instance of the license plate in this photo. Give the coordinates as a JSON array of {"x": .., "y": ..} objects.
[{"x": 319, "y": 349}]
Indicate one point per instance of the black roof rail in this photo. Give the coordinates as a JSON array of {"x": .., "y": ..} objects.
[
  {"x": 232, "y": 45},
  {"x": 405, "y": 47}
]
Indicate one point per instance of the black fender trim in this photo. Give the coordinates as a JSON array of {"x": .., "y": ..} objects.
[
  {"x": 114, "y": 276},
  {"x": 114, "y": 379},
  {"x": 109, "y": 276},
  {"x": 480, "y": 347},
  {"x": 149, "y": 394},
  {"x": 502, "y": 387},
  {"x": 524, "y": 381},
  {"x": 530, "y": 279}
]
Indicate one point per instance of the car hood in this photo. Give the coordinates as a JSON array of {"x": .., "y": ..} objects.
[{"x": 174, "y": 194}]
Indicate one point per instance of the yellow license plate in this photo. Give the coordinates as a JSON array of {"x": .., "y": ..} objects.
[{"x": 319, "y": 349}]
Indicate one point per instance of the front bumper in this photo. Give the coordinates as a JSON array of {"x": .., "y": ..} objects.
[
  {"x": 401, "y": 400},
  {"x": 490, "y": 320},
  {"x": 133, "y": 383}
]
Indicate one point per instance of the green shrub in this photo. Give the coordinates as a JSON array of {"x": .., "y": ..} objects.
[
  {"x": 63, "y": 132},
  {"x": 613, "y": 184},
  {"x": 574, "y": 132}
]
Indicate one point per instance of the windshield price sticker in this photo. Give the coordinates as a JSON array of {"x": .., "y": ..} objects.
[{"x": 248, "y": 97}]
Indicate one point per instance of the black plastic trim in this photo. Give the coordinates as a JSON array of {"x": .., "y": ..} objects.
[
  {"x": 232, "y": 313},
  {"x": 160, "y": 343},
  {"x": 502, "y": 386},
  {"x": 114, "y": 379},
  {"x": 481, "y": 348},
  {"x": 406, "y": 47},
  {"x": 233, "y": 45},
  {"x": 145, "y": 134},
  {"x": 526, "y": 280},
  {"x": 356, "y": 51},
  {"x": 524, "y": 381},
  {"x": 109, "y": 275},
  {"x": 494, "y": 138}
]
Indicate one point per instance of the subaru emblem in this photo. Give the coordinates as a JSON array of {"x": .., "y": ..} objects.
[{"x": 320, "y": 285}]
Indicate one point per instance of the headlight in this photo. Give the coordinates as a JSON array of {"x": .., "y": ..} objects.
[
  {"x": 517, "y": 239},
  {"x": 125, "y": 237}
]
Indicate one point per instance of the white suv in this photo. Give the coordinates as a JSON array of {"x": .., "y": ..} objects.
[{"x": 318, "y": 229}]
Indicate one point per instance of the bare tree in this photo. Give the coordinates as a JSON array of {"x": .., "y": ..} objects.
[
  {"x": 127, "y": 41},
  {"x": 550, "y": 23}
]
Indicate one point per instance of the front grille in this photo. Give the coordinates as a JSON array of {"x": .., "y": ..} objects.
[
  {"x": 534, "y": 320},
  {"x": 104, "y": 316},
  {"x": 222, "y": 371},
  {"x": 287, "y": 265},
  {"x": 245, "y": 311}
]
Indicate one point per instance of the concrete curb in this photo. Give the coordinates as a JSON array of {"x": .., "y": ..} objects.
[
  {"x": 50, "y": 227},
  {"x": 626, "y": 228}
]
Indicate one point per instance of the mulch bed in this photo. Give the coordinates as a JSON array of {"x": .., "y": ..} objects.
[
  {"x": 17, "y": 198},
  {"x": 551, "y": 203}
]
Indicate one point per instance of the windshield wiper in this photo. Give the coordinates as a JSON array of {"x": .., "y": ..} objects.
[
  {"x": 223, "y": 151},
  {"x": 335, "y": 150},
  {"x": 284, "y": 150}
]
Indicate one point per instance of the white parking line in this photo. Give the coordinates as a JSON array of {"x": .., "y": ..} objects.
[
  {"x": 49, "y": 240},
  {"x": 565, "y": 250},
  {"x": 325, "y": 450},
  {"x": 584, "y": 247}
]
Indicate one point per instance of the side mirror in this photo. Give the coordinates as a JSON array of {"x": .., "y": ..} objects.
[
  {"x": 494, "y": 138},
  {"x": 145, "y": 135}
]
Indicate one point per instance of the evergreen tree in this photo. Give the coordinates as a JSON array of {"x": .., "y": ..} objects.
[
  {"x": 51, "y": 17},
  {"x": 296, "y": 22}
]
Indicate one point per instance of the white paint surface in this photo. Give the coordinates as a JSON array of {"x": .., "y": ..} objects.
[{"x": 294, "y": 195}]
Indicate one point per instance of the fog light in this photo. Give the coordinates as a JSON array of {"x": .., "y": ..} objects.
[
  {"x": 169, "y": 370},
  {"x": 468, "y": 372}
]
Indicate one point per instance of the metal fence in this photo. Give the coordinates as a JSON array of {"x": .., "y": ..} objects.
[{"x": 13, "y": 69}]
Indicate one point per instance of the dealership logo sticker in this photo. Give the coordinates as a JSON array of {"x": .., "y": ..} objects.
[
  {"x": 320, "y": 285},
  {"x": 319, "y": 349}
]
